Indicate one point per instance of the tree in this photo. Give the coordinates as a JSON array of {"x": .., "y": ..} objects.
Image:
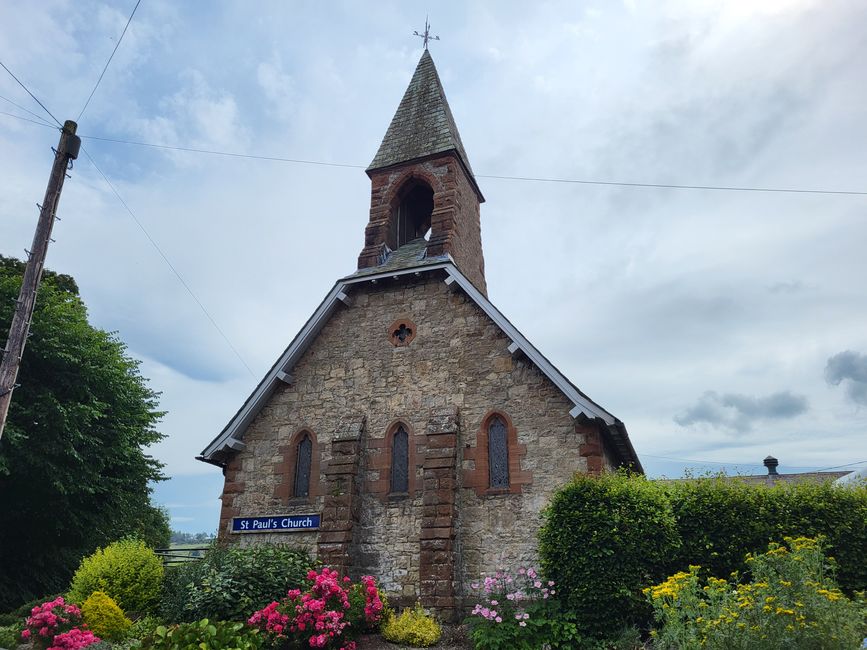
[{"x": 73, "y": 471}]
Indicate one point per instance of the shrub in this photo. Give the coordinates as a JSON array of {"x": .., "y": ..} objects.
[
  {"x": 48, "y": 619},
  {"x": 16, "y": 616},
  {"x": 322, "y": 616},
  {"x": 143, "y": 627},
  {"x": 10, "y": 636},
  {"x": 602, "y": 540},
  {"x": 519, "y": 612},
  {"x": 127, "y": 570},
  {"x": 413, "y": 627},
  {"x": 720, "y": 520},
  {"x": 205, "y": 635},
  {"x": 791, "y": 602},
  {"x": 229, "y": 583},
  {"x": 102, "y": 615}
]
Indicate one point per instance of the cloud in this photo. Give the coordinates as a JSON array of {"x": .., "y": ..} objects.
[
  {"x": 851, "y": 367},
  {"x": 737, "y": 412}
]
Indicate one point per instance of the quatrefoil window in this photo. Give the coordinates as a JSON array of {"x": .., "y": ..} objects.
[{"x": 402, "y": 332}]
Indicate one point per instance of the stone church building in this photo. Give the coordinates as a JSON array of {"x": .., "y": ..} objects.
[{"x": 413, "y": 429}]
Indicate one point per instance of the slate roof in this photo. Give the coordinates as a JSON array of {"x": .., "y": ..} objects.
[
  {"x": 423, "y": 124},
  {"x": 411, "y": 254}
]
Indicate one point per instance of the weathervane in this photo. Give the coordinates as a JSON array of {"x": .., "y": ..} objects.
[{"x": 426, "y": 36}]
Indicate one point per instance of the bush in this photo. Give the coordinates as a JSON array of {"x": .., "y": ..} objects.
[
  {"x": 17, "y": 616},
  {"x": 10, "y": 636},
  {"x": 519, "y": 612},
  {"x": 143, "y": 627},
  {"x": 205, "y": 635},
  {"x": 602, "y": 540},
  {"x": 127, "y": 570},
  {"x": 721, "y": 520},
  {"x": 102, "y": 615},
  {"x": 229, "y": 583},
  {"x": 791, "y": 602},
  {"x": 52, "y": 619},
  {"x": 323, "y": 616},
  {"x": 413, "y": 627}
]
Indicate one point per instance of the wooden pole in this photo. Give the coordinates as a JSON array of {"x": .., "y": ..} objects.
[{"x": 67, "y": 150}]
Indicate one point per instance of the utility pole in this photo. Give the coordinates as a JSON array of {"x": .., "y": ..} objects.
[{"x": 67, "y": 150}]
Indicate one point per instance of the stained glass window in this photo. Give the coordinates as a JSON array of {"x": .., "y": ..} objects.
[
  {"x": 498, "y": 453},
  {"x": 400, "y": 461},
  {"x": 302, "y": 467}
]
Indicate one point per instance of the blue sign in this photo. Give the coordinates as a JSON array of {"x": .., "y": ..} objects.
[{"x": 275, "y": 524}]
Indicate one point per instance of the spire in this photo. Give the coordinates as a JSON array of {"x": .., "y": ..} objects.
[{"x": 423, "y": 124}]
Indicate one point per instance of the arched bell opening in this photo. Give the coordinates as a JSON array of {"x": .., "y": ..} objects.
[{"x": 411, "y": 213}]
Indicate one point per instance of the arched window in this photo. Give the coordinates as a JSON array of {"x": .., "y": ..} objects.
[
  {"x": 303, "y": 461},
  {"x": 400, "y": 460},
  {"x": 498, "y": 453},
  {"x": 412, "y": 213}
]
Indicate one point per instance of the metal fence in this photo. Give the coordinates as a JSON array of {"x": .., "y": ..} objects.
[{"x": 175, "y": 556}]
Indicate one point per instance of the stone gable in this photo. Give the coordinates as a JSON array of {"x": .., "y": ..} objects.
[{"x": 351, "y": 389}]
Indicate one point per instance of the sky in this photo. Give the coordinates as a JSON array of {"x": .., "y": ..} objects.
[{"x": 720, "y": 326}]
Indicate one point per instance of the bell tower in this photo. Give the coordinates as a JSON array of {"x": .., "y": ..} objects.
[{"x": 422, "y": 185}]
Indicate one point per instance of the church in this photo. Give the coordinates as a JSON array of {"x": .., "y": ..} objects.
[{"x": 410, "y": 431}]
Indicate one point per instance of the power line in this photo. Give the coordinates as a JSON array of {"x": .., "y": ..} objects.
[
  {"x": 30, "y": 93},
  {"x": 29, "y": 112},
  {"x": 723, "y": 188},
  {"x": 78, "y": 119},
  {"x": 167, "y": 261},
  {"x": 27, "y": 119},
  {"x": 716, "y": 462},
  {"x": 230, "y": 154},
  {"x": 860, "y": 462}
]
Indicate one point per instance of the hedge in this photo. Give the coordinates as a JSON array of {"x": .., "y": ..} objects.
[
  {"x": 605, "y": 538},
  {"x": 602, "y": 540}
]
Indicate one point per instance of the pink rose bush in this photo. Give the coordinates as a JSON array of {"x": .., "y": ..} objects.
[
  {"x": 56, "y": 625},
  {"x": 328, "y": 615}
]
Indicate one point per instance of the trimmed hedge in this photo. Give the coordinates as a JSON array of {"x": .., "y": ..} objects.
[
  {"x": 606, "y": 538},
  {"x": 602, "y": 540},
  {"x": 721, "y": 520}
]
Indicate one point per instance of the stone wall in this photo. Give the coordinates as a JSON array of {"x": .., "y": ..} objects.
[{"x": 350, "y": 390}]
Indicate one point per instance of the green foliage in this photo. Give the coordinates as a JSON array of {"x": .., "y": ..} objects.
[
  {"x": 603, "y": 539},
  {"x": 791, "y": 602},
  {"x": 721, "y": 520},
  {"x": 412, "y": 627},
  {"x": 21, "y": 612},
  {"x": 127, "y": 570},
  {"x": 231, "y": 583},
  {"x": 143, "y": 627},
  {"x": 205, "y": 635},
  {"x": 104, "y": 618},
  {"x": 10, "y": 635},
  {"x": 73, "y": 471}
]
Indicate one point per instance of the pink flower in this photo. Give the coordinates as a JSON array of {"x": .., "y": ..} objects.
[
  {"x": 522, "y": 624},
  {"x": 498, "y": 619}
]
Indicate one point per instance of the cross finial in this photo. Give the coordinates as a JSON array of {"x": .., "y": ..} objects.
[{"x": 426, "y": 36}]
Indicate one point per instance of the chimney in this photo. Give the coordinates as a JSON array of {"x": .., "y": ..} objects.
[{"x": 771, "y": 463}]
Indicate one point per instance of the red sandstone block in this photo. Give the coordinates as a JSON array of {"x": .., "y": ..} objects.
[
  {"x": 435, "y": 441},
  {"x": 431, "y": 463},
  {"x": 335, "y": 537},
  {"x": 437, "y": 533}
]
